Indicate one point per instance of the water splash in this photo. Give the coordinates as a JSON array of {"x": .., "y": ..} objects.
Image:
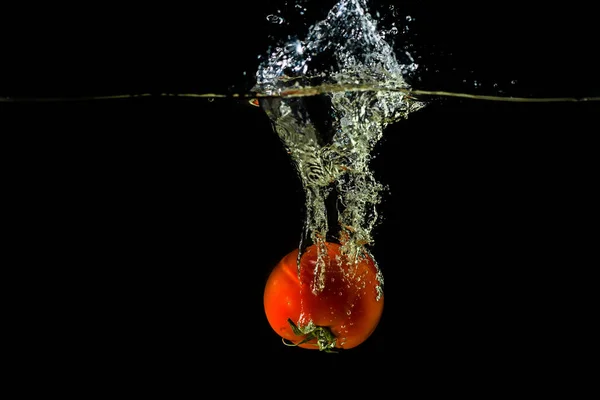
[
  {"x": 345, "y": 48},
  {"x": 331, "y": 137}
]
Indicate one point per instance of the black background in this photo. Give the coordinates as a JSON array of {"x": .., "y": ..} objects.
[{"x": 148, "y": 227}]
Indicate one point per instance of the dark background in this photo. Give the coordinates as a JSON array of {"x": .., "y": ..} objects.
[{"x": 146, "y": 228}]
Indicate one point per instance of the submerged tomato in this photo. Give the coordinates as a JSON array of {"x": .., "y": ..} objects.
[{"x": 336, "y": 307}]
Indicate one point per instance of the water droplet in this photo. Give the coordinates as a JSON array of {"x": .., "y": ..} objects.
[{"x": 275, "y": 19}]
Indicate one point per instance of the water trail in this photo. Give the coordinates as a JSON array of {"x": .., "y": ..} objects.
[{"x": 331, "y": 136}]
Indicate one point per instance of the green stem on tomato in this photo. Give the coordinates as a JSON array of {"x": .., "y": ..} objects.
[{"x": 326, "y": 340}]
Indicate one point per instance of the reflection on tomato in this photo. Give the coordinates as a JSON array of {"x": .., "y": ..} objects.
[{"x": 330, "y": 305}]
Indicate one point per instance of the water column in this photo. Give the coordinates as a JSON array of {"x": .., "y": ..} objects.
[{"x": 330, "y": 134}]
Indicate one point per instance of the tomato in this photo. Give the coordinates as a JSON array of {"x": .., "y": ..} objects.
[{"x": 331, "y": 305}]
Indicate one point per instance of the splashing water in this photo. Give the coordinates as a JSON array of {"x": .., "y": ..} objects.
[{"x": 331, "y": 137}]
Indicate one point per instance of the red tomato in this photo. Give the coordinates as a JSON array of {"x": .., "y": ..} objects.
[{"x": 337, "y": 308}]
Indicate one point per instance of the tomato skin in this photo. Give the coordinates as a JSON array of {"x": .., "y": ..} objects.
[{"x": 349, "y": 303}]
